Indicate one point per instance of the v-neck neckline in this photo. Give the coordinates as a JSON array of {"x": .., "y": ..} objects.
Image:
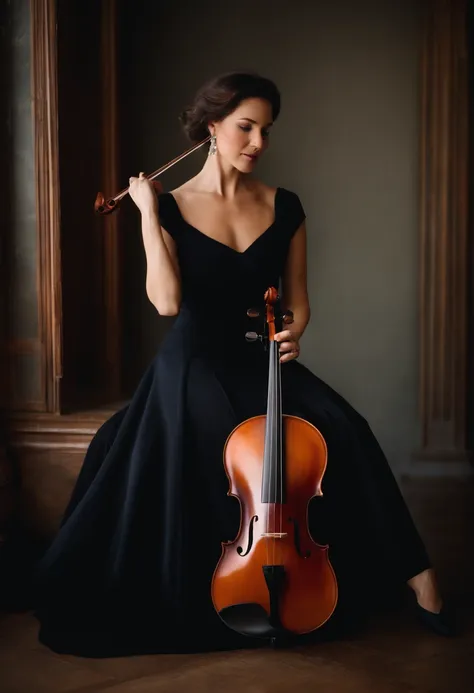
[{"x": 215, "y": 240}]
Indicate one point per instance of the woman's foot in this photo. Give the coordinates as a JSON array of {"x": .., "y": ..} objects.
[
  {"x": 430, "y": 609},
  {"x": 426, "y": 589},
  {"x": 440, "y": 623}
]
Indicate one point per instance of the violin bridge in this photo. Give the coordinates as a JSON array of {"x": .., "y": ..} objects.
[{"x": 275, "y": 535}]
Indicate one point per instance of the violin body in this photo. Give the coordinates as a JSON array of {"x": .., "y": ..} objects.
[
  {"x": 305, "y": 588},
  {"x": 273, "y": 579}
]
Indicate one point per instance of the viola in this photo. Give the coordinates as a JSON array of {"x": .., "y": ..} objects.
[{"x": 273, "y": 581}]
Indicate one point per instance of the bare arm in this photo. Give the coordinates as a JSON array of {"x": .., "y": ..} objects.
[
  {"x": 163, "y": 280},
  {"x": 295, "y": 294}
]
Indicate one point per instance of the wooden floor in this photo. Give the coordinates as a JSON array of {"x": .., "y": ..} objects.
[{"x": 393, "y": 654}]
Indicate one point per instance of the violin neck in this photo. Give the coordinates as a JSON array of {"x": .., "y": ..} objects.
[{"x": 273, "y": 490}]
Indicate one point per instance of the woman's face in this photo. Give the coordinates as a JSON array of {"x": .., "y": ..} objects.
[{"x": 242, "y": 137}]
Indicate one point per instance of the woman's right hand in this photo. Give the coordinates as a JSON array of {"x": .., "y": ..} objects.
[{"x": 144, "y": 193}]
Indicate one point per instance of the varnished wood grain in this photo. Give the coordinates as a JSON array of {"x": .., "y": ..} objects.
[
  {"x": 46, "y": 123},
  {"x": 309, "y": 595}
]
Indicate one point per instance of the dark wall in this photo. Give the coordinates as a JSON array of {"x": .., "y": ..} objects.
[{"x": 346, "y": 142}]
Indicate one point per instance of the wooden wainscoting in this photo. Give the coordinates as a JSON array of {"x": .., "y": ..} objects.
[{"x": 48, "y": 451}]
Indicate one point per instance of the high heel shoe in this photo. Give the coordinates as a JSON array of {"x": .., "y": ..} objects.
[{"x": 440, "y": 623}]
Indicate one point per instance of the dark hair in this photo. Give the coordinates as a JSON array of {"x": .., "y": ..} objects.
[{"x": 220, "y": 96}]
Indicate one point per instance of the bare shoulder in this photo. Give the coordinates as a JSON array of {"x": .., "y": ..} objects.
[
  {"x": 264, "y": 193},
  {"x": 185, "y": 191},
  {"x": 255, "y": 195}
]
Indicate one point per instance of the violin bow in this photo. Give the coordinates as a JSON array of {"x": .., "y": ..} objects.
[{"x": 102, "y": 206}]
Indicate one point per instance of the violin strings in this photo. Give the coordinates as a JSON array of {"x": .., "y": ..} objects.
[
  {"x": 274, "y": 354},
  {"x": 280, "y": 450},
  {"x": 268, "y": 455},
  {"x": 275, "y": 459}
]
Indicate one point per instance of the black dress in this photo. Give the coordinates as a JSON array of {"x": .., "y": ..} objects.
[{"x": 130, "y": 568}]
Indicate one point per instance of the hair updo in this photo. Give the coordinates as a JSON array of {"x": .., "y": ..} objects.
[{"x": 219, "y": 97}]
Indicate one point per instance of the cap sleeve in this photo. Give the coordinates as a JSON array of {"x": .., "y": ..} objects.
[
  {"x": 167, "y": 213},
  {"x": 293, "y": 212},
  {"x": 299, "y": 213}
]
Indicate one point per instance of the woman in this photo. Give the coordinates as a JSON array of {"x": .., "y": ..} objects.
[{"x": 130, "y": 568}]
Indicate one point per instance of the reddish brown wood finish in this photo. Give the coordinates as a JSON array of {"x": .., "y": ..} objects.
[
  {"x": 46, "y": 124},
  {"x": 444, "y": 243},
  {"x": 310, "y": 593}
]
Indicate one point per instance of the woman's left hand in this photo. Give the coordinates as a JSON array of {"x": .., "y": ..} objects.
[{"x": 289, "y": 346}]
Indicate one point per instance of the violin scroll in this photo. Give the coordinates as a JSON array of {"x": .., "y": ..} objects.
[
  {"x": 273, "y": 320},
  {"x": 271, "y": 296},
  {"x": 102, "y": 207}
]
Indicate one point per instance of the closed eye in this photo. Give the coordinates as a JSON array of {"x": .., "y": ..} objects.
[{"x": 247, "y": 128}]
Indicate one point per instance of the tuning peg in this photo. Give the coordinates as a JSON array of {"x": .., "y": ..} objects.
[
  {"x": 253, "y": 313},
  {"x": 252, "y": 336},
  {"x": 288, "y": 317}
]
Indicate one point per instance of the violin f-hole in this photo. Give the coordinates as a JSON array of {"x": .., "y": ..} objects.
[
  {"x": 250, "y": 539},
  {"x": 296, "y": 538}
]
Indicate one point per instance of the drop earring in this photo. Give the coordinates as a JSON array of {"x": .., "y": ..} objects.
[{"x": 213, "y": 147}]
